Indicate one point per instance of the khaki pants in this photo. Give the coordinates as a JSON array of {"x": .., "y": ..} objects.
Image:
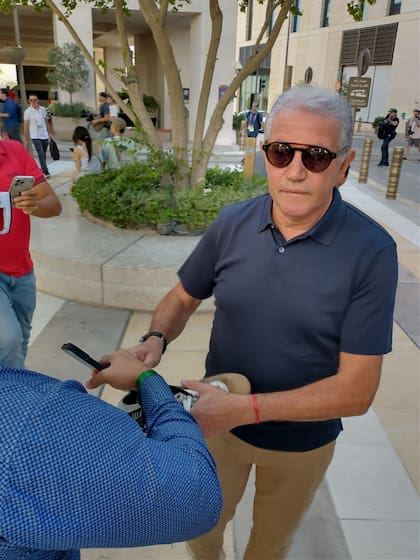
[{"x": 285, "y": 484}]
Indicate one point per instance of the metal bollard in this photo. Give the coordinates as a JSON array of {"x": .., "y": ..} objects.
[
  {"x": 242, "y": 139},
  {"x": 364, "y": 163},
  {"x": 359, "y": 125},
  {"x": 249, "y": 156},
  {"x": 394, "y": 172},
  {"x": 242, "y": 136}
]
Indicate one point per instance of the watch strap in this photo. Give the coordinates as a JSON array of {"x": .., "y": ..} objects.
[{"x": 158, "y": 335}]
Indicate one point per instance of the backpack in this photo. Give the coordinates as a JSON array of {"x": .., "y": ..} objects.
[{"x": 381, "y": 130}]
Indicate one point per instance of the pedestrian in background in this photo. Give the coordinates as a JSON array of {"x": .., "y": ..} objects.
[
  {"x": 102, "y": 123},
  {"x": 391, "y": 122},
  {"x": 85, "y": 160},
  {"x": 37, "y": 128},
  {"x": 11, "y": 116},
  {"x": 413, "y": 133},
  {"x": 113, "y": 107},
  {"x": 119, "y": 150},
  {"x": 304, "y": 287},
  {"x": 254, "y": 122},
  {"x": 17, "y": 278}
]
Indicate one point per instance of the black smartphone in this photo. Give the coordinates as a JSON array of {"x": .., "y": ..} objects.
[{"x": 81, "y": 356}]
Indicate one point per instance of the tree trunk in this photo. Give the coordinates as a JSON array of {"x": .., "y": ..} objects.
[
  {"x": 202, "y": 151},
  {"x": 155, "y": 19},
  {"x": 135, "y": 91},
  {"x": 137, "y": 114}
]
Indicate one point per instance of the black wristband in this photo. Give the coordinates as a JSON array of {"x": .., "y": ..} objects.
[{"x": 158, "y": 335}]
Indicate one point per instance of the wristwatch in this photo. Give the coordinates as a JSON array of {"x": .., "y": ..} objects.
[{"x": 158, "y": 335}]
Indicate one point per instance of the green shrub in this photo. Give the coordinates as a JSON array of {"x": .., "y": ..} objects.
[
  {"x": 128, "y": 198},
  {"x": 376, "y": 122},
  {"x": 133, "y": 197},
  {"x": 74, "y": 110},
  {"x": 237, "y": 119}
]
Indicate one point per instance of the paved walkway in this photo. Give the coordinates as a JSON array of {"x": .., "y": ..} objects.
[{"x": 368, "y": 506}]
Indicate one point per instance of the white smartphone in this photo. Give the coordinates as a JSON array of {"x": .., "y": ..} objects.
[{"x": 19, "y": 184}]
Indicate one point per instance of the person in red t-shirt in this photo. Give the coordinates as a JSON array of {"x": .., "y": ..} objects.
[{"x": 17, "y": 279}]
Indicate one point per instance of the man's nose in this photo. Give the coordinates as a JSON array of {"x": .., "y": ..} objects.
[{"x": 296, "y": 169}]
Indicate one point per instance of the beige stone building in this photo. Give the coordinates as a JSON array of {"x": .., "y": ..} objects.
[
  {"x": 323, "y": 45},
  {"x": 189, "y": 30}
]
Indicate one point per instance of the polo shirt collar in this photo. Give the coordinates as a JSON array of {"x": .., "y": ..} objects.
[{"x": 324, "y": 231}]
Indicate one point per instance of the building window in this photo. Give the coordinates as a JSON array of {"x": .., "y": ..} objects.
[
  {"x": 326, "y": 11},
  {"x": 394, "y": 7},
  {"x": 249, "y": 15},
  {"x": 380, "y": 40},
  {"x": 365, "y": 11},
  {"x": 295, "y": 23}
]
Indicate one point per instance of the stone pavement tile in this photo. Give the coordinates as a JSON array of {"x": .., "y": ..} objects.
[
  {"x": 162, "y": 552},
  {"x": 369, "y": 482},
  {"x": 83, "y": 325},
  {"x": 408, "y": 253},
  {"x": 382, "y": 540},
  {"x": 407, "y": 309},
  {"x": 194, "y": 337},
  {"x": 397, "y": 401},
  {"x": 402, "y": 428},
  {"x": 46, "y": 307},
  {"x": 399, "y": 387}
]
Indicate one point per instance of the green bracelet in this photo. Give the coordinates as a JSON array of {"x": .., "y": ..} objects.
[{"x": 143, "y": 376}]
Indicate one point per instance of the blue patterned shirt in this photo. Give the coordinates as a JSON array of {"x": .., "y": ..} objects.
[{"x": 76, "y": 472}]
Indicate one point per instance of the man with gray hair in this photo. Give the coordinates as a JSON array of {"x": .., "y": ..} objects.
[{"x": 304, "y": 287}]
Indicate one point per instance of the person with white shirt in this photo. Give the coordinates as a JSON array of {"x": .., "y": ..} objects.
[
  {"x": 37, "y": 128},
  {"x": 413, "y": 130}
]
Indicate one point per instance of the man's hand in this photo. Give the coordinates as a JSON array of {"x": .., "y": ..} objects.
[
  {"x": 122, "y": 372},
  {"x": 149, "y": 352},
  {"x": 217, "y": 411}
]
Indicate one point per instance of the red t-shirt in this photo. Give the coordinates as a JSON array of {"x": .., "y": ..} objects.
[{"x": 15, "y": 258}]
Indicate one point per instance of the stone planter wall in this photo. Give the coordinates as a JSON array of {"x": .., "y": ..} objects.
[{"x": 64, "y": 127}]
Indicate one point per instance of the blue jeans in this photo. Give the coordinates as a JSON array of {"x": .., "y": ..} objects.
[
  {"x": 17, "y": 305},
  {"x": 41, "y": 149},
  {"x": 385, "y": 149}
]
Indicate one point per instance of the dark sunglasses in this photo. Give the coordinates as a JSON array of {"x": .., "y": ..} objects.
[{"x": 314, "y": 158}]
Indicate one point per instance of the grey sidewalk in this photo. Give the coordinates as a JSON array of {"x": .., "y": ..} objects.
[{"x": 368, "y": 506}]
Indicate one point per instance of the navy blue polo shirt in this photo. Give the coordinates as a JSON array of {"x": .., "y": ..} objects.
[{"x": 286, "y": 309}]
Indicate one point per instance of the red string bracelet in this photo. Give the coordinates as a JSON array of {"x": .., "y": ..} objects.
[{"x": 256, "y": 409}]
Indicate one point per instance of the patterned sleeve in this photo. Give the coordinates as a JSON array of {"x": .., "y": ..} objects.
[{"x": 83, "y": 475}]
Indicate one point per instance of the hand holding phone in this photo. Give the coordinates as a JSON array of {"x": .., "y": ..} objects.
[
  {"x": 84, "y": 358},
  {"x": 19, "y": 184}
]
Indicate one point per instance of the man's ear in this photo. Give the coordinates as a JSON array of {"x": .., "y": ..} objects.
[{"x": 345, "y": 167}]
